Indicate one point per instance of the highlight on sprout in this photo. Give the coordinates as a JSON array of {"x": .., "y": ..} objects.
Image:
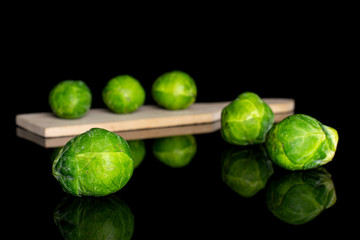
[
  {"x": 95, "y": 163},
  {"x": 246, "y": 120},
  {"x": 70, "y": 99},
  {"x": 301, "y": 142},
  {"x": 123, "y": 94},
  {"x": 177, "y": 151},
  {"x": 174, "y": 90}
]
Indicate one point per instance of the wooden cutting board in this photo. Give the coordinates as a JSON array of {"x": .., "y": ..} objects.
[{"x": 46, "y": 124}]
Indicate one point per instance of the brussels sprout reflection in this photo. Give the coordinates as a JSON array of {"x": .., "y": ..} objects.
[
  {"x": 299, "y": 197},
  {"x": 177, "y": 151},
  {"x": 138, "y": 151},
  {"x": 246, "y": 170},
  {"x": 94, "y": 218}
]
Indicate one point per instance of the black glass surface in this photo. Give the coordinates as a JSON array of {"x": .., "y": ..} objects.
[{"x": 192, "y": 201}]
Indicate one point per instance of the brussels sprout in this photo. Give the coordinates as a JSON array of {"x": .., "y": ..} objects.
[
  {"x": 301, "y": 142},
  {"x": 246, "y": 170},
  {"x": 177, "y": 151},
  {"x": 174, "y": 90},
  {"x": 246, "y": 120},
  {"x": 70, "y": 99},
  {"x": 95, "y": 163},
  {"x": 123, "y": 94},
  {"x": 55, "y": 153},
  {"x": 138, "y": 151},
  {"x": 94, "y": 218},
  {"x": 300, "y": 196}
]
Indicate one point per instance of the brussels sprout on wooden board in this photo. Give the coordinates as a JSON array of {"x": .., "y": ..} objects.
[
  {"x": 70, "y": 99},
  {"x": 123, "y": 94},
  {"x": 174, "y": 90},
  {"x": 246, "y": 120}
]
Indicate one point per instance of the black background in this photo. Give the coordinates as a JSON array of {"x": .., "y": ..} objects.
[{"x": 310, "y": 63}]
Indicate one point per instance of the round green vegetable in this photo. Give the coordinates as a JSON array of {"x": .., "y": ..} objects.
[
  {"x": 138, "y": 151},
  {"x": 70, "y": 99},
  {"x": 123, "y": 94},
  {"x": 55, "y": 152},
  {"x": 95, "y": 163},
  {"x": 246, "y": 170},
  {"x": 246, "y": 120},
  {"x": 177, "y": 151},
  {"x": 301, "y": 142},
  {"x": 174, "y": 90},
  {"x": 94, "y": 218},
  {"x": 300, "y": 196}
]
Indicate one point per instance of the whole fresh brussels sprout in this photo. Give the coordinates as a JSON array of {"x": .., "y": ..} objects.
[
  {"x": 300, "y": 196},
  {"x": 246, "y": 170},
  {"x": 301, "y": 142},
  {"x": 177, "y": 151},
  {"x": 94, "y": 218},
  {"x": 95, "y": 163},
  {"x": 70, "y": 99},
  {"x": 138, "y": 151},
  {"x": 174, "y": 90},
  {"x": 123, "y": 94},
  {"x": 246, "y": 120}
]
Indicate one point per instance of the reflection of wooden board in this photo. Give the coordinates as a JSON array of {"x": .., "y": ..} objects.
[{"x": 146, "y": 117}]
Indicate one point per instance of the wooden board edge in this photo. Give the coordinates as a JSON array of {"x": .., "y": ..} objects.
[
  {"x": 127, "y": 135},
  {"x": 21, "y": 122}
]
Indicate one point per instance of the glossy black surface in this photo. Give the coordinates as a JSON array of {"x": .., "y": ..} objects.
[{"x": 190, "y": 202}]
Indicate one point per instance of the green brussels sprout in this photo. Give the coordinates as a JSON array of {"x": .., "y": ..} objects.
[
  {"x": 174, "y": 90},
  {"x": 70, "y": 99},
  {"x": 246, "y": 170},
  {"x": 300, "y": 196},
  {"x": 95, "y": 163},
  {"x": 94, "y": 218},
  {"x": 123, "y": 94},
  {"x": 177, "y": 151},
  {"x": 138, "y": 151},
  {"x": 55, "y": 152},
  {"x": 246, "y": 120},
  {"x": 301, "y": 142}
]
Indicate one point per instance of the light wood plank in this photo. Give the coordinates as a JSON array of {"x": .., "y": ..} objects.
[{"x": 147, "y": 117}]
